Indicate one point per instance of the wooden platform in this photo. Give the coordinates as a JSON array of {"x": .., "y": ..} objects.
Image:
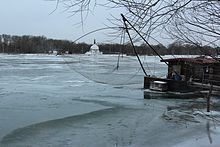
[
  {"x": 173, "y": 85},
  {"x": 181, "y": 89},
  {"x": 215, "y": 88}
]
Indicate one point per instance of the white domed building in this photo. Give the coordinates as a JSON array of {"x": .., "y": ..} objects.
[{"x": 94, "y": 50}]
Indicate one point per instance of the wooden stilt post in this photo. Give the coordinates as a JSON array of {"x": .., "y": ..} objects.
[
  {"x": 208, "y": 103},
  {"x": 208, "y": 98}
]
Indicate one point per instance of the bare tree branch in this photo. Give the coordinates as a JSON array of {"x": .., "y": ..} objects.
[{"x": 191, "y": 21}]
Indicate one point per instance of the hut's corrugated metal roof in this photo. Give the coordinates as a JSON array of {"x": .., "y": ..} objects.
[{"x": 198, "y": 60}]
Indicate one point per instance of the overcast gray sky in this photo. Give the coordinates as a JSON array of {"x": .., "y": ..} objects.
[{"x": 31, "y": 17}]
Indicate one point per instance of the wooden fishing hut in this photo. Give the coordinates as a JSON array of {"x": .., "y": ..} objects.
[
  {"x": 182, "y": 72},
  {"x": 200, "y": 69}
]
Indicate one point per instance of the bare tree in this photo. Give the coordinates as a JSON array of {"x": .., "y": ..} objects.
[{"x": 192, "y": 21}]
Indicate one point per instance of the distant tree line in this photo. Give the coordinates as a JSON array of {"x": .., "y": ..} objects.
[
  {"x": 37, "y": 44},
  {"x": 40, "y": 44}
]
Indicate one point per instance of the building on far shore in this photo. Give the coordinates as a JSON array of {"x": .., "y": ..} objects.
[{"x": 94, "y": 50}]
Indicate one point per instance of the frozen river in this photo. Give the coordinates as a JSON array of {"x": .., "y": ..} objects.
[{"x": 47, "y": 101}]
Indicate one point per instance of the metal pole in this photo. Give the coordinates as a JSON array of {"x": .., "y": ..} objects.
[
  {"x": 126, "y": 28},
  {"x": 125, "y": 20}
]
